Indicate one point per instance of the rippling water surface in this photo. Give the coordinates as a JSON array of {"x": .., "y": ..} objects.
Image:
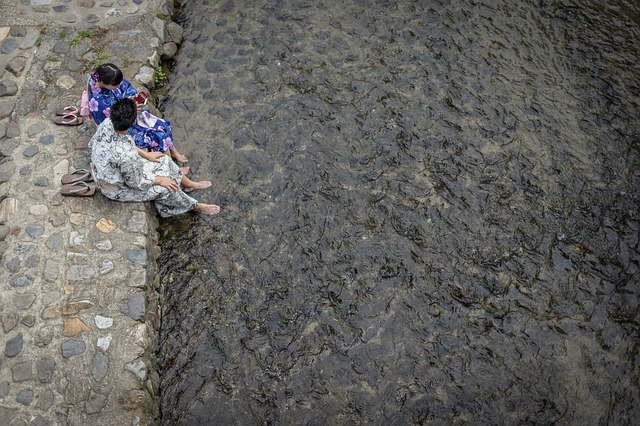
[{"x": 430, "y": 214}]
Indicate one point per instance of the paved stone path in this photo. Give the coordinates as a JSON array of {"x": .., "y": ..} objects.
[{"x": 77, "y": 297}]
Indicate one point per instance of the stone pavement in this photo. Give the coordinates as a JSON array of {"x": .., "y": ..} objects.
[{"x": 78, "y": 300}]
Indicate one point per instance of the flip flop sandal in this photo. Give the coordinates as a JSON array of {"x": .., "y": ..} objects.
[
  {"x": 68, "y": 110},
  {"x": 80, "y": 175},
  {"x": 68, "y": 120},
  {"x": 78, "y": 189}
]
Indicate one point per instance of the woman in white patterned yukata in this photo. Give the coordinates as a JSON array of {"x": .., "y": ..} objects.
[{"x": 125, "y": 172}]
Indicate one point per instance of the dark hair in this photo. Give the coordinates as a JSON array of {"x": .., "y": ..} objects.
[
  {"x": 123, "y": 114},
  {"x": 109, "y": 74}
]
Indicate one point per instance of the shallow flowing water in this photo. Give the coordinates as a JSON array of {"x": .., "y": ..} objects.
[{"x": 430, "y": 214}]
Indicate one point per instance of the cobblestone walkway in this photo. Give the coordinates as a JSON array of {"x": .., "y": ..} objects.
[{"x": 77, "y": 301}]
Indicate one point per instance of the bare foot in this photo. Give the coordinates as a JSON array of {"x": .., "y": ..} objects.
[
  {"x": 207, "y": 208},
  {"x": 197, "y": 185},
  {"x": 185, "y": 170},
  {"x": 181, "y": 158}
]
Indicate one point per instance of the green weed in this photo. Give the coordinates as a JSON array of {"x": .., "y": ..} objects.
[
  {"x": 160, "y": 77},
  {"x": 82, "y": 34},
  {"x": 101, "y": 57}
]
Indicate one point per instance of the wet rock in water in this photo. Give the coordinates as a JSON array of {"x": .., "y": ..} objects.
[{"x": 423, "y": 212}]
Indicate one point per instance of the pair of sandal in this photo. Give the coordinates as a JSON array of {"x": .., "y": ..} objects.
[
  {"x": 79, "y": 184},
  {"x": 68, "y": 116}
]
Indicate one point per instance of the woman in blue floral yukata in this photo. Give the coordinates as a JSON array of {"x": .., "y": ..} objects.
[{"x": 106, "y": 86}]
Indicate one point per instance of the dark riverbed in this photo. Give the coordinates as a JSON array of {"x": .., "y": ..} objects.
[{"x": 430, "y": 214}]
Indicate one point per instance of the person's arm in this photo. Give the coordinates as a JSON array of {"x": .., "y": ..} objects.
[
  {"x": 151, "y": 156},
  {"x": 127, "y": 89},
  {"x": 134, "y": 177}
]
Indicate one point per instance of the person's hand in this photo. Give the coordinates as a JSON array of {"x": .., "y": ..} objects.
[
  {"x": 154, "y": 156},
  {"x": 139, "y": 105},
  {"x": 166, "y": 182}
]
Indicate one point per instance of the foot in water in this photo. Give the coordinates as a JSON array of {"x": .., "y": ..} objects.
[
  {"x": 197, "y": 185},
  {"x": 207, "y": 209},
  {"x": 179, "y": 157}
]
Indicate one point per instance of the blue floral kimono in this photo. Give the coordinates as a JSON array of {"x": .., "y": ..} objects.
[{"x": 149, "y": 132}]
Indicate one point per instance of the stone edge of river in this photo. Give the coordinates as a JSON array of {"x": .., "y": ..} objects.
[{"x": 79, "y": 298}]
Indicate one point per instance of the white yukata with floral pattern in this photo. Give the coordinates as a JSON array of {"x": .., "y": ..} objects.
[{"x": 123, "y": 175}]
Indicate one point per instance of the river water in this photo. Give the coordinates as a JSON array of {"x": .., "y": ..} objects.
[{"x": 430, "y": 214}]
